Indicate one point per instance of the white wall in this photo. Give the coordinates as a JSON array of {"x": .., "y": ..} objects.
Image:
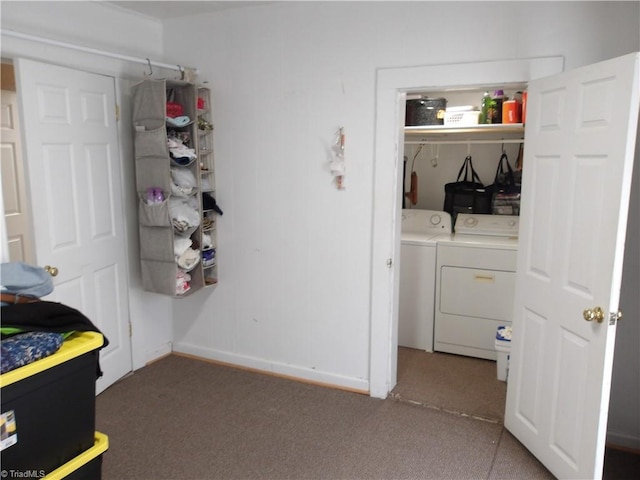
[
  {"x": 92, "y": 25},
  {"x": 294, "y": 253}
]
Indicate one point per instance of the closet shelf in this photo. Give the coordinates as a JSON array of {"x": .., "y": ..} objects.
[{"x": 497, "y": 133}]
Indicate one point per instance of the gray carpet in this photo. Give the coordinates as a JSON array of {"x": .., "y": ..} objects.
[
  {"x": 181, "y": 418},
  {"x": 451, "y": 382}
]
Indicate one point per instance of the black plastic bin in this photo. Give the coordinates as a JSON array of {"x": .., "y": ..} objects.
[
  {"x": 86, "y": 466},
  {"x": 48, "y": 407}
]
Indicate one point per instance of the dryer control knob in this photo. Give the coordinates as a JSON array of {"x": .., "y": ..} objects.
[
  {"x": 435, "y": 219},
  {"x": 470, "y": 221}
]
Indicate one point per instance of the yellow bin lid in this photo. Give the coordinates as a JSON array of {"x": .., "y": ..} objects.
[
  {"x": 99, "y": 447},
  {"x": 75, "y": 345}
]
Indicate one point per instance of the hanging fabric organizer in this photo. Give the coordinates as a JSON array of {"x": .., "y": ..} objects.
[{"x": 169, "y": 183}]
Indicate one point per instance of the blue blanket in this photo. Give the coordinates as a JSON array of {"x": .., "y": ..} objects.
[{"x": 24, "y": 348}]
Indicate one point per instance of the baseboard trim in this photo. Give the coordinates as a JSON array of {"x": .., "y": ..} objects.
[
  {"x": 274, "y": 369},
  {"x": 159, "y": 352},
  {"x": 621, "y": 448},
  {"x": 622, "y": 441}
]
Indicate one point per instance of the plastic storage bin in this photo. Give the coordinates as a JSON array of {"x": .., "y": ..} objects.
[
  {"x": 503, "y": 349},
  {"x": 86, "y": 466},
  {"x": 425, "y": 111},
  {"x": 48, "y": 407}
]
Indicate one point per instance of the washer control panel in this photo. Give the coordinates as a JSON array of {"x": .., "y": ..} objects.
[
  {"x": 480, "y": 224},
  {"x": 425, "y": 221}
]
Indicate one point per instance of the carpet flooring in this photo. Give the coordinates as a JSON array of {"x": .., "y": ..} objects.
[
  {"x": 181, "y": 419},
  {"x": 452, "y": 383}
]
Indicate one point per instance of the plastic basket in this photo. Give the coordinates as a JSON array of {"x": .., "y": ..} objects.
[{"x": 461, "y": 119}]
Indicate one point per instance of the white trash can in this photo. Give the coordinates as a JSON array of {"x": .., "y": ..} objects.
[{"x": 503, "y": 349}]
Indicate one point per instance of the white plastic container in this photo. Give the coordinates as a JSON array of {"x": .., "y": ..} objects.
[
  {"x": 503, "y": 349},
  {"x": 461, "y": 116}
]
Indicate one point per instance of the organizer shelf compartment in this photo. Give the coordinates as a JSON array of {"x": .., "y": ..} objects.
[{"x": 207, "y": 185}]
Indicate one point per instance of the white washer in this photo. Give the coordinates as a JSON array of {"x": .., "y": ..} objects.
[
  {"x": 420, "y": 231},
  {"x": 475, "y": 285}
]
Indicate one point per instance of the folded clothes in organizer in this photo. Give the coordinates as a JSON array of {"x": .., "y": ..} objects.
[
  {"x": 180, "y": 245},
  {"x": 206, "y": 241},
  {"x": 189, "y": 259},
  {"x": 184, "y": 213},
  {"x": 207, "y": 222},
  {"x": 208, "y": 257},
  {"x": 180, "y": 153},
  {"x": 181, "y": 121},
  {"x": 182, "y": 282},
  {"x": 183, "y": 181}
]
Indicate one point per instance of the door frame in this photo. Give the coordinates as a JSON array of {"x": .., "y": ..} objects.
[{"x": 392, "y": 86}]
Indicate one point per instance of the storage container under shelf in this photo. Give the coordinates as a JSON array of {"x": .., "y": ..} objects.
[
  {"x": 503, "y": 351},
  {"x": 48, "y": 407},
  {"x": 86, "y": 466}
]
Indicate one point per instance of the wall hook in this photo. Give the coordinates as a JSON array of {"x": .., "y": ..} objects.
[
  {"x": 150, "y": 67},
  {"x": 181, "y": 72}
]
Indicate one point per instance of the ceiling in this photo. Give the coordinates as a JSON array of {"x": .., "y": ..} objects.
[{"x": 162, "y": 10}]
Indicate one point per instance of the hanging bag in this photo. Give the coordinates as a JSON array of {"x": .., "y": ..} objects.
[
  {"x": 467, "y": 194},
  {"x": 505, "y": 189}
]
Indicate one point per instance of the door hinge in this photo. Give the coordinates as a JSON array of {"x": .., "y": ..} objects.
[
  {"x": 389, "y": 263},
  {"x": 130, "y": 330},
  {"x": 615, "y": 317},
  {"x": 117, "y": 113}
]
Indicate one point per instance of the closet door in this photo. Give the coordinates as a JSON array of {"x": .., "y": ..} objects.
[
  {"x": 74, "y": 179},
  {"x": 579, "y": 154}
]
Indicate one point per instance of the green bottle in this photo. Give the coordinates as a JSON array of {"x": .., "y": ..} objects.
[{"x": 486, "y": 106}]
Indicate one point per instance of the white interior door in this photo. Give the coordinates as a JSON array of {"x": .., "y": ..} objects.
[
  {"x": 73, "y": 171},
  {"x": 13, "y": 187},
  {"x": 580, "y": 140}
]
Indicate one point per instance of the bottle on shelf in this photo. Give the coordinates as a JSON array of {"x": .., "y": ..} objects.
[
  {"x": 512, "y": 111},
  {"x": 496, "y": 111},
  {"x": 486, "y": 106}
]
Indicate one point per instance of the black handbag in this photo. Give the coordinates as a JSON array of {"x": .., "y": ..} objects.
[
  {"x": 467, "y": 194},
  {"x": 505, "y": 190}
]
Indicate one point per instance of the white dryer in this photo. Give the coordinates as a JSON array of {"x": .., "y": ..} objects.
[
  {"x": 475, "y": 284},
  {"x": 420, "y": 231}
]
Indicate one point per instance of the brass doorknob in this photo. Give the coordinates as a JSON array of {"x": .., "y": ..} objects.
[
  {"x": 53, "y": 271},
  {"x": 593, "y": 314}
]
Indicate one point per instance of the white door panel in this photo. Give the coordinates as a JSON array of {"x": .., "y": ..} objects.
[
  {"x": 580, "y": 140},
  {"x": 13, "y": 184},
  {"x": 74, "y": 176}
]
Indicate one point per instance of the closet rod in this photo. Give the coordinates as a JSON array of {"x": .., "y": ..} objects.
[
  {"x": 461, "y": 142},
  {"x": 145, "y": 61}
]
